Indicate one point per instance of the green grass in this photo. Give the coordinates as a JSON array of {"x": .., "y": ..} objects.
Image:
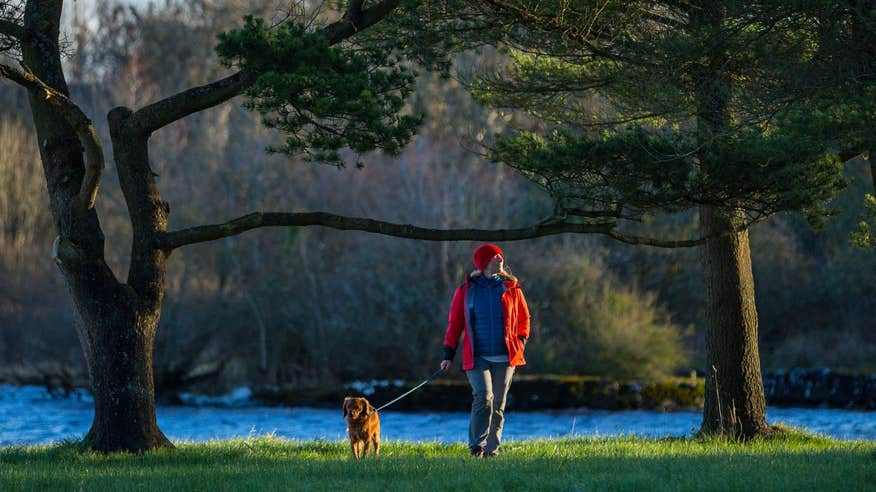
[{"x": 789, "y": 461}]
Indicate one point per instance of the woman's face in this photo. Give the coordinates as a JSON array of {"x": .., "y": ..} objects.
[{"x": 494, "y": 266}]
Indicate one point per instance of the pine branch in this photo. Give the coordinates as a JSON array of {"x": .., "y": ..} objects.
[{"x": 164, "y": 112}]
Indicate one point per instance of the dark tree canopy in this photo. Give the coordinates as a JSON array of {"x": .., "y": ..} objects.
[
  {"x": 841, "y": 81},
  {"x": 622, "y": 86}
]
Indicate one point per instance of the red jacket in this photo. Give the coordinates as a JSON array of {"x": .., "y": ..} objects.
[{"x": 514, "y": 312}]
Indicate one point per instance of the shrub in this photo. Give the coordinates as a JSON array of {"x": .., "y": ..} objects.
[{"x": 591, "y": 325}]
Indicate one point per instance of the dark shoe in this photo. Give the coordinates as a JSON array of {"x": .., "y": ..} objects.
[{"x": 477, "y": 452}]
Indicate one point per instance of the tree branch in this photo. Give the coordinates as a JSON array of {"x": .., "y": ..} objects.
[
  {"x": 356, "y": 19},
  {"x": 164, "y": 112},
  {"x": 11, "y": 29},
  {"x": 169, "y": 241},
  {"x": 94, "y": 160},
  {"x": 849, "y": 154},
  {"x": 175, "y": 239},
  {"x": 591, "y": 214},
  {"x": 659, "y": 243},
  {"x": 682, "y": 243}
]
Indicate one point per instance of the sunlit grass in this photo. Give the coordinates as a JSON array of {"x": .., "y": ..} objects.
[{"x": 792, "y": 460}]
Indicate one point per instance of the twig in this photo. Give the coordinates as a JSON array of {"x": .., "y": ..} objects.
[{"x": 718, "y": 398}]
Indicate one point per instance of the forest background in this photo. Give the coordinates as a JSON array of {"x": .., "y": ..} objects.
[{"x": 307, "y": 306}]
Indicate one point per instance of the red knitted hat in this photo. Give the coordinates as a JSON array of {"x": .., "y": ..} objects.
[{"x": 484, "y": 253}]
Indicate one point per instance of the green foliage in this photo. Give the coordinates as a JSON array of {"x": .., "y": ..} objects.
[
  {"x": 865, "y": 236},
  {"x": 846, "y": 120},
  {"x": 323, "y": 98},
  {"x": 592, "y": 326},
  {"x": 637, "y": 170},
  {"x": 691, "y": 104},
  {"x": 843, "y": 105},
  {"x": 633, "y": 169},
  {"x": 431, "y": 33},
  {"x": 775, "y": 170},
  {"x": 803, "y": 461}
]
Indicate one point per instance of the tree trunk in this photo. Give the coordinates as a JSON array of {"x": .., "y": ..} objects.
[
  {"x": 119, "y": 360},
  {"x": 128, "y": 420},
  {"x": 116, "y": 330},
  {"x": 734, "y": 400},
  {"x": 115, "y": 322}
]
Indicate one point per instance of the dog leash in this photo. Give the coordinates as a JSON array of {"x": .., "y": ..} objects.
[{"x": 415, "y": 388}]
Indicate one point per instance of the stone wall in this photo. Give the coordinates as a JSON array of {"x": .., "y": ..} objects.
[
  {"x": 798, "y": 388},
  {"x": 820, "y": 387},
  {"x": 527, "y": 393}
]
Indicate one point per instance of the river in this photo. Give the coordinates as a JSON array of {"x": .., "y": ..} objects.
[{"x": 29, "y": 415}]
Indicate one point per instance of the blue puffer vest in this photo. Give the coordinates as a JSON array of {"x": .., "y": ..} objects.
[{"x": 484, "y": 303}]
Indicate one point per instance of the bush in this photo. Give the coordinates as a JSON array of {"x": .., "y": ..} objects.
[{"x": 591, "y": 325}]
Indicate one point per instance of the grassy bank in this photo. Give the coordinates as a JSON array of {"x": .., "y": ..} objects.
[{"x": 792, "y": 461}]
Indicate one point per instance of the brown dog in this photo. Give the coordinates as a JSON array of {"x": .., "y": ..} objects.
[{"x": 363, "y": 425}]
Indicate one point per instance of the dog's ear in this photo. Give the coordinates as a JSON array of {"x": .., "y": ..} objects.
[
  {"x": 371, "y": 408},
  {"x": 345, "y": 405}
]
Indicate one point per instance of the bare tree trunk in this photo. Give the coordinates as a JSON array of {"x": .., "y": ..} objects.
[
  {"x": 115, "y": 326},
  {"x": 734, "y": 402},
  {"x": 116, "y": 332},
  {"x": 120, "y": 364},
  {"x": 125, "y": 390}
]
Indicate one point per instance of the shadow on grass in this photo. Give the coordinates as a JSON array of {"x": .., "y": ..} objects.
[{"x": 791, "y": 460}]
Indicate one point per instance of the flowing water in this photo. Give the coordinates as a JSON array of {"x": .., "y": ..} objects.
[{"x": 29, "y": 415}]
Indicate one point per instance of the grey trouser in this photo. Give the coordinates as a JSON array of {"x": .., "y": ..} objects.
[{"x": 489, "y": 387}]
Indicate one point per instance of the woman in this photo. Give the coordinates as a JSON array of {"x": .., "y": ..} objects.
[{"x": 490, "y": 309}]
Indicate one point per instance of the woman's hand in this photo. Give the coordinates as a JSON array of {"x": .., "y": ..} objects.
[{"x": 445, "y": 365}]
